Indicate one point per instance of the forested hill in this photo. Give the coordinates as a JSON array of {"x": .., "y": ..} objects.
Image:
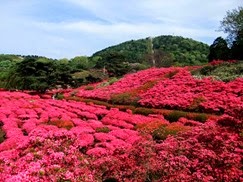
[{"x": 167, "y": 49}]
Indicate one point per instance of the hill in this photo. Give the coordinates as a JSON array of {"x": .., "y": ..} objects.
[{"x": 167, "y": 48}]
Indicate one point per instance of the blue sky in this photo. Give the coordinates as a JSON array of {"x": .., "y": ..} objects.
[{"x": 69, "y": 28}]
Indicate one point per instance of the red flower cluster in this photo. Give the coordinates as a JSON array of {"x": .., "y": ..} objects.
[
  {"x": 59, "y": 140},
  {"x": 174, "y": 88}
]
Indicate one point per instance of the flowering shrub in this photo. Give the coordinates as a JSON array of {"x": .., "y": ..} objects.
[
  {"x": 66, "y": 140},
  {"x": 206, "y": 153},
  {"x": 172, "y": 88}
]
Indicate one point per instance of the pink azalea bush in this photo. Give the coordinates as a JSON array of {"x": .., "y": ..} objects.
[
  {"x": 180, "y": 92},
  {"x": 173, "y": 88},
  {"x": 64, "y": 140}
]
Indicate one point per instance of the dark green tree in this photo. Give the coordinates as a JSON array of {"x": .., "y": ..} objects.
[
  {"x": 218, "y": 50},
  {"x": 232, "y": 23},
  {"x": 79, "y": 63},
  {"x": 114, "y": 63},
  {"x": 39, "y": 74},
  {"x": 162, "y": 58},
  {"x": 237, "y": 47}
]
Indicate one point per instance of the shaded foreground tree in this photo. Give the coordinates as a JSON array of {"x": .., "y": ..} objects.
[
  {"x": 232, "y": 24},
  {"x": 219, "y": 50},
  {"x": 237, "y": 47}
]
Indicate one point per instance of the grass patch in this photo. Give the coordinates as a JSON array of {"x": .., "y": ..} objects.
[
  {"x": 175, "y": 116},
  {"x": 144, "y": 111}
]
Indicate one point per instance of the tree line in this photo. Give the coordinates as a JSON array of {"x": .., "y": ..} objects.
[{"x": 232, "y": 46}]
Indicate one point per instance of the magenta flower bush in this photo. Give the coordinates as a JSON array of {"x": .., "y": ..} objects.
[
  {"x": 64, "y": 140},
  {"x": 174, "y": 88}
]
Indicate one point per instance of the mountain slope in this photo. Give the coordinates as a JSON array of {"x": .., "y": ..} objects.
[{"x": 179, "y": 50}]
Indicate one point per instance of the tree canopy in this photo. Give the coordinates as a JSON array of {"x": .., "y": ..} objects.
[
  {"x": 182, "y": 51},
  {"x": 232, "y": 24},
  {"x": 219, "y": 50}
]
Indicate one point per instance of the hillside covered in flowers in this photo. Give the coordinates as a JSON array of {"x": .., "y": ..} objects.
[{"x": 187, "y": 129}]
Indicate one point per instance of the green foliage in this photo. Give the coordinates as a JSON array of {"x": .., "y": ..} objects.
[
  {"x": 114, "y": 64},
  {"x": 224, "y": 72},
  {"x": 2, "y": 135},
  {"x": 144, "y": 111},
  {"x": 107, "y": 83},
  {"x": 112, "y": 80},
  {"x": 183, "y": 51},
  {"x": 133, "y": 50},
  {"x": 237, "y": 47},
  {"x": 232, "y": 23},
  {"x": 80, "y": 63},
  {"x": 167, "y": 50},
  {"x": 102, "y": 129},
  {"x": 89, "y": 87},
  {"x": 175, "y": 116},
  {"x": 202, "y": 118},
  {"x": 7, "y": 62},
  {"x": 59, "y": 96},
  {"x": 206, "y": 70},
  {"x": 10, "y": 57},
  {"x": 196, "y": 103},
  {"x": 162, "y": 132},
  {"x": 37, "y": 74},
  {"x": 219, "y": 50},
  {"x": 122, "y": 98},
  {"x": 31, "y": 74}
]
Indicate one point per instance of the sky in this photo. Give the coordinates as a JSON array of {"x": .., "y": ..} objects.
[{"x": 68, "y": 28}]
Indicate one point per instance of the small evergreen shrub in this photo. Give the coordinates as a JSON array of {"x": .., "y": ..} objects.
[
  {"x": 175, "y": 115},
  {"x": 206, "y": 70},
  {"x": 202, "y": 118},
  {"x": 124, "y": 98},
  {"x": 112, "y": 80},
  {"x": 144, "y": 111},
  {"x": 59, "y": 96}
]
